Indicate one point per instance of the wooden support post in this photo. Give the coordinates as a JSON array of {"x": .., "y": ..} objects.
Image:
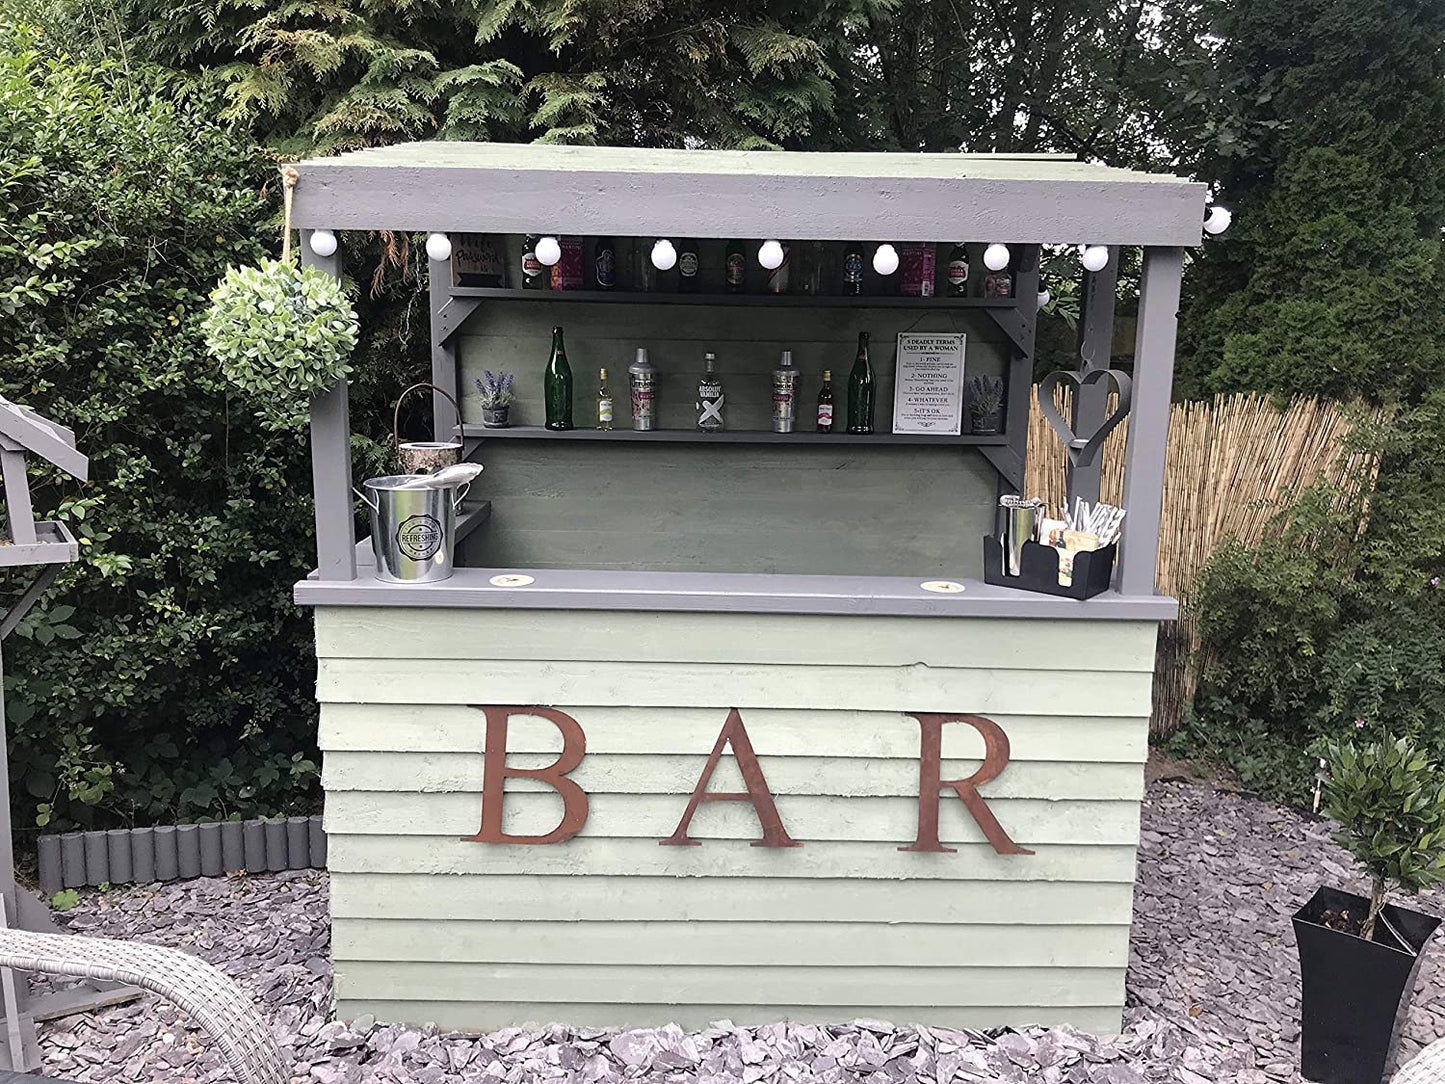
[
  {"x": 331, "y": 460},
  {"x": 1021, "y": 366},
  {"x": 443, "y": 350},
  {"x": 17, "y": 496},
  {"x": 1096, "y": 347},
  {"x": 1149, "y": 418}
]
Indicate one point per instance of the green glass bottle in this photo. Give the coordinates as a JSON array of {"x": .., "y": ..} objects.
[
  {"x": 861, "y": 390},
  {"x": 557, "y": 385}
]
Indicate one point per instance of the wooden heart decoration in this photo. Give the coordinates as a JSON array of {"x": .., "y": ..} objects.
[{"x": 1083, "y": 449}]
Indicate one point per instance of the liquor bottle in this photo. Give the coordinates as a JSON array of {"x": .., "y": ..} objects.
[
  {"x": 958, "y": 270},
  {"x": 853, "y": 269},
  {"x": 778, "y": 276},
  {"x": 785, "y": 394},
  {"x": 860, "y": 390},
  {"x": 710, "y": 397},
  {"x": 567, "y": 271},
  {"x": 687, "y": 266},
  {"x": 604, "y": 401},
  {"x": 825, "y": 403},
  {"x": 557, "y": 385},
  {"x": 642, "y": 378},
  {"x": 999, "y": 283},
  {"x": 534, "y": 275},
  {"x": 735, "y": 269},
  {"x": 604, "y": 264}
]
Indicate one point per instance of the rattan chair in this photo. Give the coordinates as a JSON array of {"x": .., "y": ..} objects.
[
  {"x": 1426, "y": 1067},
  {"x": 214, "y": 1003}
]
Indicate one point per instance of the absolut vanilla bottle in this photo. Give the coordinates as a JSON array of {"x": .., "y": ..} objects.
[{"x": 710, "y": 397}]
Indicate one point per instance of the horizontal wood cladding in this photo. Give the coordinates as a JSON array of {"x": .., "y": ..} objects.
[
  {"x": 641, "y": 773},
  {"x": 388, "y": 632},
  {"x": 639, "y": 898},
  {"x": 663, "y": 685},
  {"x": 808, "y": 818},
  {"x": 737, "y": 944},
  {"x": 859, "y": 736},
  {"x": 694, "y": 1016},
  {"x": 841, "y": 862}
]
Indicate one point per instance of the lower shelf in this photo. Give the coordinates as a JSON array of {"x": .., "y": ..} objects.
[{"x": 727, "y": 436}]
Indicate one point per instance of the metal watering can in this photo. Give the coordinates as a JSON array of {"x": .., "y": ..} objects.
[{"x": 414, "y": 522}]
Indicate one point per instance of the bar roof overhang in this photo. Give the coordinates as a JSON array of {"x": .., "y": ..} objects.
[{"x": 865, "y": 196}]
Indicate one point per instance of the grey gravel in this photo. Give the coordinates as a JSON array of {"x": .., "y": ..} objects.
[{"x": 1213, "y": 988}]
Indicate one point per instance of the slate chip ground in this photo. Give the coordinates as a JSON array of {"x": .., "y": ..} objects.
[{"x": 1213, "y": 987}]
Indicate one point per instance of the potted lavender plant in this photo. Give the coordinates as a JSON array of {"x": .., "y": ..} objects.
[
  {"x": 496, "y": 396},
  {"x": 1359, "y": 955},
  {"x": 985, "y": 405}
]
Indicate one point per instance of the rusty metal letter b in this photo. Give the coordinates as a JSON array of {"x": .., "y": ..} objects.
[{"x": 495, "y": 772}]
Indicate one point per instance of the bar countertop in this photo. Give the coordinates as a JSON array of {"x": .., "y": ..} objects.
[{"x": 570, "y": 589}]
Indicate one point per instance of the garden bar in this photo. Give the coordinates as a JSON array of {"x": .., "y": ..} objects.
[{"x": 711, "y": 713}]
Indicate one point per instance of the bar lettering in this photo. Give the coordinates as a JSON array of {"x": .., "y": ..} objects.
[{"x": 495, "y": 773}]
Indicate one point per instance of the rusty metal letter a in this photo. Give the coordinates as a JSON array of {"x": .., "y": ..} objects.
[{"x": 495, "y": 772}]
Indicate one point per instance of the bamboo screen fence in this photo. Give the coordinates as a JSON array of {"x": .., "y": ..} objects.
[{"x": 1232, "y": 463}]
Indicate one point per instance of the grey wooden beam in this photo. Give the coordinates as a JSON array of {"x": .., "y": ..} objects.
[
  {"x": 445, "y": 320},
  {"x": 886, "y": 205},
  {"x": 331, "y": 460},
  {"x": 17, "y": 497},
  {"x": 449, "y": 318},
  {"x": 1096, "y": 347},
  {"x": 1021, "y": 365},
  {"x": 1149, "y": 419}
]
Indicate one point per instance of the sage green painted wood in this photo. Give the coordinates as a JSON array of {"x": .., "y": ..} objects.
[
  {"x": 755, "y": 944},
  {"x": 920, "y": 688},
  {"x": 589, "y": 856},
  {"x": 689, "y": 732},
  {"x": 699, "y": 900},
  {"x": 493, "y": 1015},
  {"x": 808, "y": 818},
  {"x": 381, "y": 632},
  {"x": 684, "y": 507},
  {"x": 623, "y": 773}
]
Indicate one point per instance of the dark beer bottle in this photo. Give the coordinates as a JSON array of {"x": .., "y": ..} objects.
[
  {"x": 687, "y": 266},
  {"x": 853, "y": 269},
  {"x": 825, "y": 403},
  {"x": 557, "y": 385},
  {"x": 604, "y": 263},
  {"x": 860, "y": 390},
  {"x": 958, "y": 270},
  {"x": 533, "y": 277},
  {"x": 735, "y": 269}
]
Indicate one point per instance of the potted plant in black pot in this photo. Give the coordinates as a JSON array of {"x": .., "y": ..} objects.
[
  {"x": 495, "y": 395},
  {"x": 985, "y": 405},
  {"x": 1359, "y": 955}
]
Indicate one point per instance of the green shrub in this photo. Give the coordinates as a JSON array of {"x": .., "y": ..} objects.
[
  {"x": 1389, "y": 799},
  {"x": 168, "y": 674}
]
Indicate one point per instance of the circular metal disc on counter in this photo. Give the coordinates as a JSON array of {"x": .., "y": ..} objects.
[
  {"x": 943, "y": 587},
  {"x": 512, "y": 579}
]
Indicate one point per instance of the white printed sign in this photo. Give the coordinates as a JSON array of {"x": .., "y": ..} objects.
[{"x": 928, "y": 391}]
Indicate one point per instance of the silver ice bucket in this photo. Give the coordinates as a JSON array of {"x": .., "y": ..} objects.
[{"x": 413, "y": 531}]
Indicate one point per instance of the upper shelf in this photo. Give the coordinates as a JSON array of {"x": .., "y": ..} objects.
[
  {"x": 726, "y": 436},
  {"x": 635, "y": 297}
]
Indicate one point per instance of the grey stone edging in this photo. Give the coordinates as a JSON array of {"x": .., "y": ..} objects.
[{"x": 179, "y": 852}]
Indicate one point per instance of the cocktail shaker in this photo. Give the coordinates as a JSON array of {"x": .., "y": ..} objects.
[
  {"x": 642, "y": 376},
  {"x": 1021, "y": 516}
]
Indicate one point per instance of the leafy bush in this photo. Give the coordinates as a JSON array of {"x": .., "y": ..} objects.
[
  {"x": 167, "y": 675},
  {"x": 1389, "y": 799},
  {"x": 283, "y": 334}
]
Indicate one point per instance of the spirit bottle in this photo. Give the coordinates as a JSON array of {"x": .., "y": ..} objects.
[
  {"x": 710, "y": 398},
  {"x": 687, "y": 266},
  {"x": 785, "y": 394},
  {"x": 604, "y": 401},
  {"x": 860, "y": 390},
  {"x": 825, "y": 403},
  {"x": 958, "y": 270},
  {"x": 604, "y": 263},
  {"x": 853, "y": 269},
  {"x": 557, "y": 385},
  {"x": 735, "y": 270},
  {"x": 533, "y": 273}
]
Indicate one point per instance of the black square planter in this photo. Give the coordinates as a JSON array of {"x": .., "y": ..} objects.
[{"x": 1355, "y": 994}]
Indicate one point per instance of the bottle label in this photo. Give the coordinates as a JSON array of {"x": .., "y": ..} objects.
[
  {"x": 957, "y": 272},
  {"x": 604, "y": 410},
  {"x": 825, "y": 415},
  {"x": 998, "y": 284},
  {"x": 642, "y": 402},
  {"x": 687, "y": 265},
  {"x": 606, "y": 268},
  {"x": 853, "y": 267},
  {"x": 531, "y": 266},
  {"x": 737, "y": 269}
]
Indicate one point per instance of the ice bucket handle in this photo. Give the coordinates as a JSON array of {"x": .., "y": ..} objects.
[
  {"x": 461, "y": 494},
  {"x": 375, "y": 506}
]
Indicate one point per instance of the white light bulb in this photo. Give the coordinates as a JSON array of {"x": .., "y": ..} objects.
[
  {"x": 438, "y": 247},
  {"x": 664, "y": 256},
  {"x": 1218, "y": 219},
  {"x": 1094, "y": 257},
  {"x": 996, "y": 257},
  {"x": 885, "y": 259},
  {"x": 770, "y": 254},
  {"x": 1045, "y": 297},
  {"x": 549, "y": 251},
  {"x": 323, "y": 242}
]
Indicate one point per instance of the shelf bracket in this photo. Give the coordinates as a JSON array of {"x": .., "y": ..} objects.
[
  {"x": 450, "y": 316},
  {"x": 1007, "y": 462},
  {"x": 1015, "y": 325}
]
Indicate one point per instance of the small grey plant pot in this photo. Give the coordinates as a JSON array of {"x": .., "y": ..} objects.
[
  {"x": 497, "y": 417},
  {"x": 984, "y": 425}
]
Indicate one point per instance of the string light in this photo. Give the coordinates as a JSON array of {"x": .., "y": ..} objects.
[
  {"x": 664, "y": 255},
  {"x": 322, "y": 242},
  {"x": 438, "y": 247},
  {"x": 770, "y": 254},
  {"x": 549, "y": 251},
  {"x": 1044, "y": 297},
  {"x": 885, "y": 259},
  {"x": 1218, "y": 219},
  {"x": 1094, "y": 257},
  {"x": 996, "y": 257}
]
